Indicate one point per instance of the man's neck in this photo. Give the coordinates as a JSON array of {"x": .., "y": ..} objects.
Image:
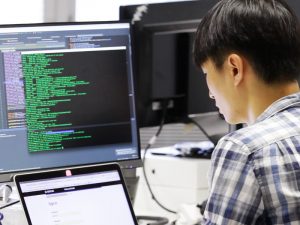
[{"x": 264, "y": 95}]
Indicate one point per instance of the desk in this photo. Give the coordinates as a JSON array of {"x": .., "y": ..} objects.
[
  {"x": 179, "y": 132},
  {"x": 174, "y": 181},
  {"x": 14, "y": 214}
]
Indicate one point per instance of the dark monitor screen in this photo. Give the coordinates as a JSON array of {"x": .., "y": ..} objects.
[
  {"x": 66, "y": 96},
  {"x": 165, "y": 71}
]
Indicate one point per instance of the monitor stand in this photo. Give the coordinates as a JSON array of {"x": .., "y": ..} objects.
[{"x": 131, "y": 180}]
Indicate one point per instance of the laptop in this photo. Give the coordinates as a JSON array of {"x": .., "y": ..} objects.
[{"x": 89, "y": 195}]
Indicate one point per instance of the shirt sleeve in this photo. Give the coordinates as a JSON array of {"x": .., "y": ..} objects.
[{"x": 234, "y": 196}]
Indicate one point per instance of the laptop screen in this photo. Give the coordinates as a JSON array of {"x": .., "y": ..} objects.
[{"x": 80, "y": 199}]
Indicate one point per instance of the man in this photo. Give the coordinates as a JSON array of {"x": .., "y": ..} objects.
[{"x": 249, "y": 51}]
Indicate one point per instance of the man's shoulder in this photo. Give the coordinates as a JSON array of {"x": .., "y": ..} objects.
[{"x": 265, "y": 133}]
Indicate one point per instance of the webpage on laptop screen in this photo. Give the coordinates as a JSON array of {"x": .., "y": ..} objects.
[{"x": 91, "y": 199}]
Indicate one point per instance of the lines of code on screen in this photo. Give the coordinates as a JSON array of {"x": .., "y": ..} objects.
[{"x": 71, "y": 99}]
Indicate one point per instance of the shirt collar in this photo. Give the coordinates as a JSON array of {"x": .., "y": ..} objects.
[{"x": 279, "y": 105}]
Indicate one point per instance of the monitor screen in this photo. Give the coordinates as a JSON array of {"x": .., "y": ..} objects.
[{"x": 66, "y": 96}]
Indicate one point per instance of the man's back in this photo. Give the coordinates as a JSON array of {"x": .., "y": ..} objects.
[{"x": 256, "y": 170}]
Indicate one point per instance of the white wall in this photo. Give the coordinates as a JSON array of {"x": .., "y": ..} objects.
[
  {"x": 99, "y": 10},
  {"x": 38, "y": 11},
  {"x": 21, "y": 11}
]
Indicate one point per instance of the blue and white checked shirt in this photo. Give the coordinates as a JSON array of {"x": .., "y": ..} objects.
[{"x": 255, "y": 171}]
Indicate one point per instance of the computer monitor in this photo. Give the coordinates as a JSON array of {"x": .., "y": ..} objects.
[
  {"x": 165, "y": 71},
  {"x": 66, "y": 96}
]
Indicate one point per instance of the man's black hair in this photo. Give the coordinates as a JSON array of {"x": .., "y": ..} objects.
[{"x": 266, "y": 32}]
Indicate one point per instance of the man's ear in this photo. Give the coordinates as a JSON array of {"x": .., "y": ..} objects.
[{"x": 235, "y": 65}]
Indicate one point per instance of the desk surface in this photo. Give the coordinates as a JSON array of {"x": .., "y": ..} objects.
[
  {"x": 171, "y": 134},
  {"x": 14, "y": 215},
  {"x": 181, "y": 132}
]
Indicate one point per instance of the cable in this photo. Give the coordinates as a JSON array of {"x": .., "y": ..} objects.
[
  {"x": 201, "y": 128},
  {"x": 150, "y": 143},
  {"x": 9, "y": 204}
]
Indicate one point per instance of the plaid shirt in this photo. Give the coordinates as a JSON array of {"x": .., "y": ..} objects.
[{"x": 255, "y": 171}]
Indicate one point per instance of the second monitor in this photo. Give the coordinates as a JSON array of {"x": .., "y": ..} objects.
[{"x": 165, "y": 72}]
